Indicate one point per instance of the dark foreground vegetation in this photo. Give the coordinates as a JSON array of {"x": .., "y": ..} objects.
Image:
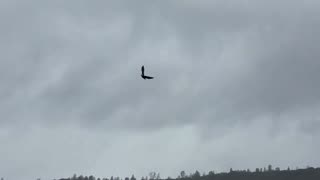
[{"x": 309, "y": 173}]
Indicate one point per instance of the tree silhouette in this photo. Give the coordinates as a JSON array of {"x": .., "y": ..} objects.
[
  {"x": 211, "y": 173},
  {"x": 183, "y": 174},
  {"x": 152, "y": 175},
  {"x": 132, "y": 177},
  {"x": 308, "y": 173},
  {"x": 196, "y": 175}
]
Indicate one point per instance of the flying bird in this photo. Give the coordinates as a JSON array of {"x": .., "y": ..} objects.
[{"x": 144, "y": 76}]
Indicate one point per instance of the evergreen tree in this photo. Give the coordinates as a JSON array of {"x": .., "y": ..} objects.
[
  {"x": 183, "y": 174},
  {"x": 196, "y": 175}
]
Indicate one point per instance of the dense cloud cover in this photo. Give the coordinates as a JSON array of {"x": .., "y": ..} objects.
[{"x": 236, "y": 85}]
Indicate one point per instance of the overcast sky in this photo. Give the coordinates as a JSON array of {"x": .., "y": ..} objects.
[{"x": 236, "y": 86}]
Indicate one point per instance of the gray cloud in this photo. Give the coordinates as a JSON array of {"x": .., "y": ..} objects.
[{"x": 224, "y": 71}]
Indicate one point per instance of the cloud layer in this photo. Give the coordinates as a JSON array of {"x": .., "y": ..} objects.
[{"x": 232, "y": 78}]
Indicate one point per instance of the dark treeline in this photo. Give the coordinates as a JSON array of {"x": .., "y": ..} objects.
[{"x": 308, "y": 173}]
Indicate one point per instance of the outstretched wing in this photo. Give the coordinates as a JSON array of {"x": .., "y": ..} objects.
[
  {"x": 148, "y": 77},
  {"x": 142, "y": 70}
]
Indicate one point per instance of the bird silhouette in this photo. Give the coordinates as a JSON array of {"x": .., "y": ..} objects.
[{"x": 144, "y": 76}]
